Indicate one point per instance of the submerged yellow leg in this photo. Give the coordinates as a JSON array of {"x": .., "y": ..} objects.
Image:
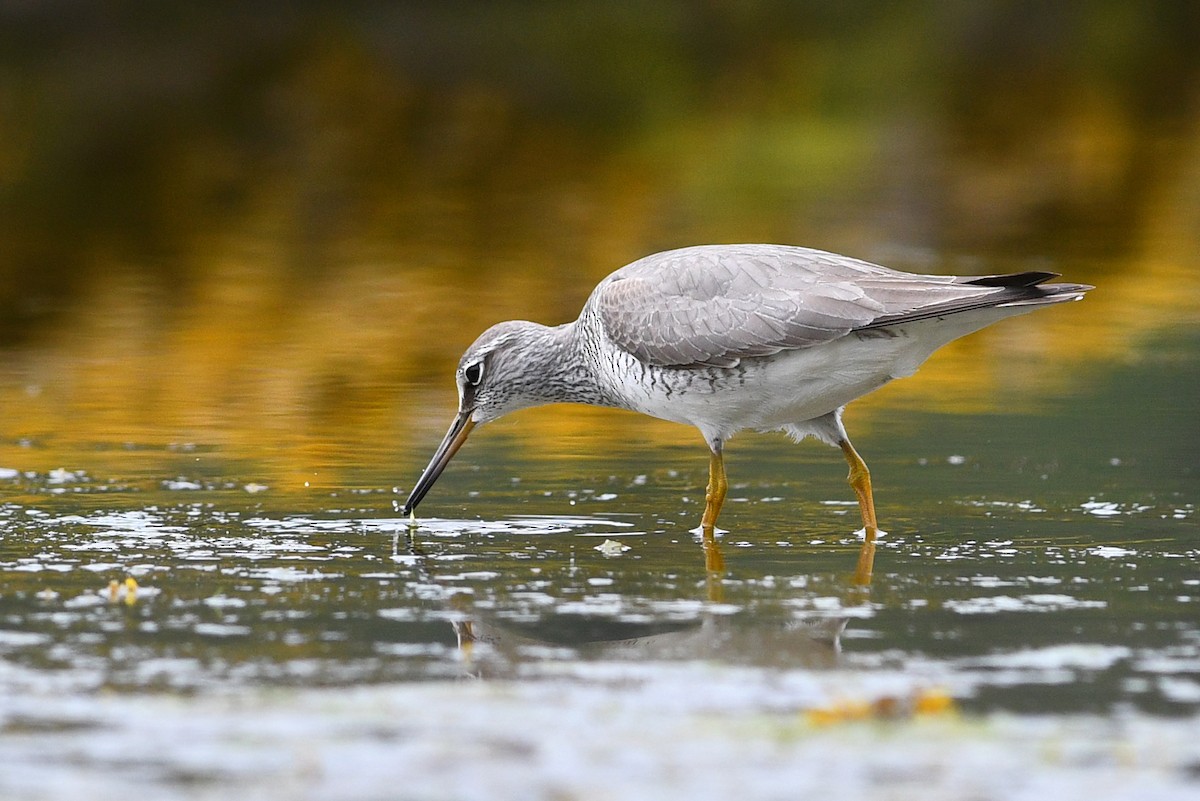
[
  {"x": 714, "y": 496},
  {"x": 860, "y": 482},
  {"x": 714, "y": 567},
  {"x": 714, "y": 499},
  {"x": 714, "y": 559}
]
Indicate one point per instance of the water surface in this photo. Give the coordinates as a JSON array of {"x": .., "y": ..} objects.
[{"x": 1029, "y": 565}]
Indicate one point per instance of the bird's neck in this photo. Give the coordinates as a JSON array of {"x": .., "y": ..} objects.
[{"x": 566, "y": 367}]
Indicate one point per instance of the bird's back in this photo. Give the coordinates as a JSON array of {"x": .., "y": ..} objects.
[{"x": 714, "y": 305}]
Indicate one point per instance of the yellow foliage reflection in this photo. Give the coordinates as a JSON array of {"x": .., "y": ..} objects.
[{"x": 288, "y": 271}]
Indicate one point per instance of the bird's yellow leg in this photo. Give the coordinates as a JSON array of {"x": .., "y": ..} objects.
[
  {"x": 714, "y": 559},
  {"x": 860, "y": 482},
  {"x": 714, "y": 567},
  {"x": 714, "y": 496}
]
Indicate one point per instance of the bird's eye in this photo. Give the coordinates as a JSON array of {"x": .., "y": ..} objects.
[{"x": 473, "y": 373}]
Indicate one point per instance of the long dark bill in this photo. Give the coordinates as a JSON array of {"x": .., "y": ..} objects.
[{"x": 453, "y": 440}]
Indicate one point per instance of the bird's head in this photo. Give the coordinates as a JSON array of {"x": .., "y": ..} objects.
[{"x": 500, "y": 373}]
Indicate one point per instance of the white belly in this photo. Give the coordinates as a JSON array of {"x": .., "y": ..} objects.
[{"x": 793, "y": 387}]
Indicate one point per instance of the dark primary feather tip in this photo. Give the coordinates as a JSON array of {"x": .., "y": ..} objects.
[{"x": 1031, "y": 278}]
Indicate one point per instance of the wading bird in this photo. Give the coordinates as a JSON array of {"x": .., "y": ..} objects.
[{"x": 729, "y": 337}]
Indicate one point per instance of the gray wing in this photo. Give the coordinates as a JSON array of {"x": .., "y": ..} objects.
[{"x": 714, "y": 305}]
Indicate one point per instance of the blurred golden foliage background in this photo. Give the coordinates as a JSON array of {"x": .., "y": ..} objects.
[{"x": 272, "y": 227}]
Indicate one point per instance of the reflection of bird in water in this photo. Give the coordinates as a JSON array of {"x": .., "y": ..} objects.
[
  {"x": 490, "y": 645},
  {"x": 727, "y": 337},
  {"x": 728, "y": 639}
]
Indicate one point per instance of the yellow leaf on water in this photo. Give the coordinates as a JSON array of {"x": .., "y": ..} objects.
[{"x": 611, "y": 547}]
